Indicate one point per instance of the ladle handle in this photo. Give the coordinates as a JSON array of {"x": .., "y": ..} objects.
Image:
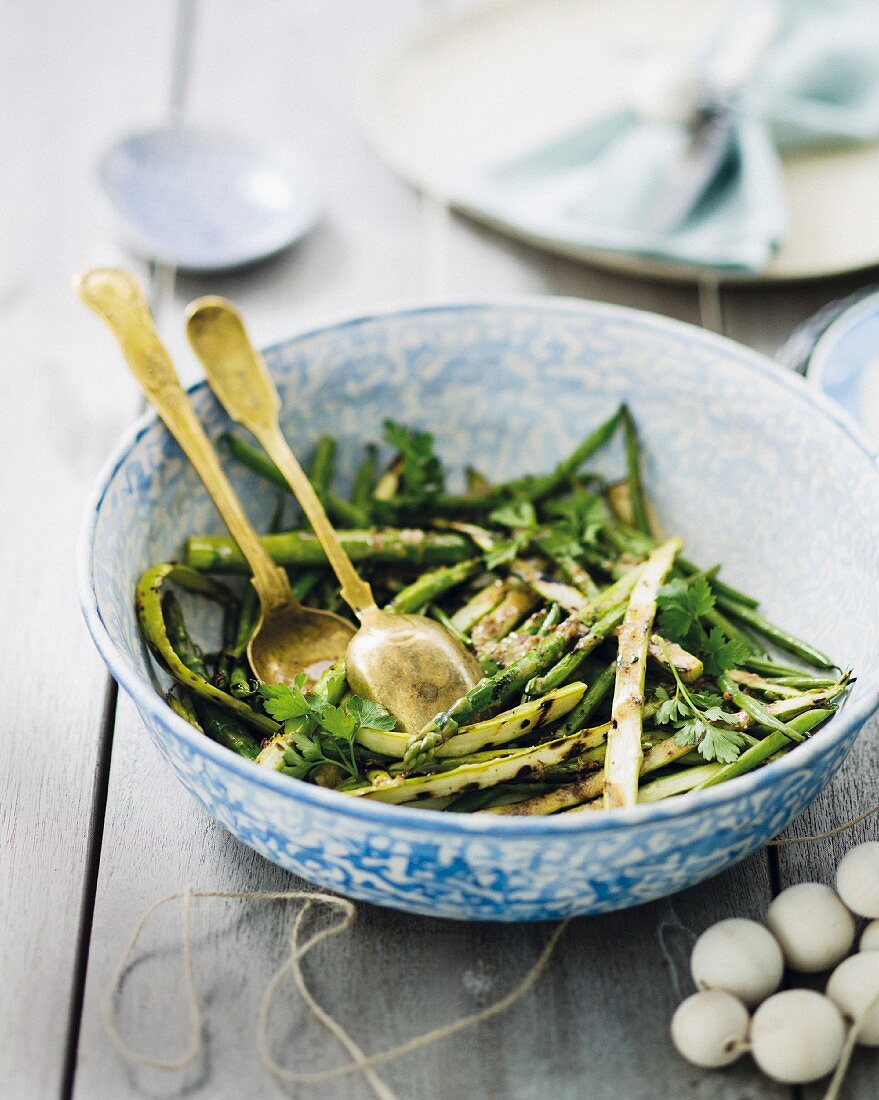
[
  {"x": 239, "y": 377},
  {"x": 118, "y": 298}
]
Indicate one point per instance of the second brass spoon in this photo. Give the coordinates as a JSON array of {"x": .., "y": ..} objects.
[
  {"x": 408, "y": 663},
  {"x": 289, "y": 638}
]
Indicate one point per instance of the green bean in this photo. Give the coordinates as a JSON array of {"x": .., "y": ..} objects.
[
  {"x": 429, "y": 586},
  {"x": 552, "y": 618},
  {"x": 493, "y": 690},
  {"x": 226, "y": 657},
  {"x": 570, "y": 664},
  {"x": 364, "y": 479},
  {"x": 223, "y": 728},
  {"x": 302, "y": 584},
  {"x": 339, "y": 510},
  {"x": 441, "y": 617},
  {"x": 322, "y": 464},
  {"x": 756, "y": 754},
  {"x": 181, "y": 702},
  {"x": 537, "y": 592},
  {"x": 775, "y": 634},
  {"x": 773, "y": 668},
  {"x": 597, "y": 692},
  {"x": 532, "y": 487},
  {"x": 183, "y": 645},
  {"x": 637, "y": 498},
  {"x": 757, "y": 711},
  {"x": 627, "y": 538}
]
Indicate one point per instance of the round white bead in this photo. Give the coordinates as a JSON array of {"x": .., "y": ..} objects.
[
  {"x": 797, "y": 1036},
  {"x": 739, "y": 956},
  {"x": 709, "y": 1028},
  {"x": 812, "y": 925},
  {"x": 854, "y": 989},
  {"x": 870, "y": 937},
  {"x": 857, "y": 879}
]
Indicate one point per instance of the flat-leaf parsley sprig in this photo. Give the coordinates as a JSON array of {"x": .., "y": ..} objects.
[
  {"x": 319, "y": 732},
  {"x": 699, "y": 719},
  {"x": 683, "y": 604}
]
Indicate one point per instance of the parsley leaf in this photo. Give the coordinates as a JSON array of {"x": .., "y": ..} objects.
[
  {"x": 308, "y": 747},
  {"x": 720, "y": 653},
  {"x": 295, "y": 765},
  {"x": 681, "y": 606},
  {"x": 422, "y": 474},
  {"x": 370, "y": 715},
  {"x": 335, "y": 721},
  {"x": 698, "y": 717},
  {"x": 720, "y": 744},
  {"x": 557, "y": 542},
  {"x": 284, "y": 702},
  {"x": 715, "y": 742},
  {"x": 318, "y": 732},
  {"x": 690, "y": 732},
  {"x": 515, "y": 514},
  {"x": 579, "y": 520},
  {"x": 705, "y": 700},
  {"x": 504, "y": 550},
  {"x": 671, "y": 708},
  {"x": 583, "y": 516},
  {"x": 520, "y": 517}
]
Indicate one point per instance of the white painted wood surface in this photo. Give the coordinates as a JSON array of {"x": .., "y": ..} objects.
[
  {"x": 70, "y": 77},
  {"x": 596, "y": 1024}
]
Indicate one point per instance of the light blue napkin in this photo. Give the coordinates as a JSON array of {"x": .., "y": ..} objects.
[{"x": 818, "y": 85}]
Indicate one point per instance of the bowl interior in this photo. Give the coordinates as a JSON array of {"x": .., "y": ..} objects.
[{"x": 754, "y": 470}]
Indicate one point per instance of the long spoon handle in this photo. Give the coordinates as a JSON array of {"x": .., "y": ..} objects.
[
  {"x": 118, "y": 298},
  {"x": 239, "y": 377}
]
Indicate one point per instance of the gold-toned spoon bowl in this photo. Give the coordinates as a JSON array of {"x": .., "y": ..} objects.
[
  {"x": 288, "y": 638},
  {"x": 408, "y": 663}
]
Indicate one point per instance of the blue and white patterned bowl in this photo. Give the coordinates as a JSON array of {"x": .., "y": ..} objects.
[{"x": 753, "y": 468}]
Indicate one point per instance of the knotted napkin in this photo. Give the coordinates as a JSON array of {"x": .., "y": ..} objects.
[{"x": 816, "y": 86}]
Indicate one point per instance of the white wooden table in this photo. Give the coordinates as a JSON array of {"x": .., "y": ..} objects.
[{"x": 94, "y": 827}]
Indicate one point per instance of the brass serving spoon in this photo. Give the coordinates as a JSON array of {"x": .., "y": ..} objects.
[
  {"x": 408, "y": 663},
  {"x": 288, "y": 638}
]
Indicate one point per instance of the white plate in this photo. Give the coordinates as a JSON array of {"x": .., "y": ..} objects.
[{"x": 502, "y": 79}]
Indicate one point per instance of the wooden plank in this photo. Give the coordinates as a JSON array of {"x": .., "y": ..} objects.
[
  {"x": 71, "y": 78},
  {"x": 764, "y": 319}
]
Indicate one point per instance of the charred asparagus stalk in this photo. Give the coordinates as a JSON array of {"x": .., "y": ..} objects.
[
  {"x": 219, "y": 554},
  {"x": 624, "y": 753}
]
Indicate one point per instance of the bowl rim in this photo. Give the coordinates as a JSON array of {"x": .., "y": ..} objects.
[
  {"x": 828, "y": 343},
  {"x": 487, "y": 826}
]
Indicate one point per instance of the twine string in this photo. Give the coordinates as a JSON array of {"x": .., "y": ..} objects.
[
  {"x": 444, "y": 1031},
  {"x": 780, "y": 842},
  {"x": 109, "y": 1002},
  {"x": 300, "y": 947},
  {"x": 851, "y": 1040}
]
